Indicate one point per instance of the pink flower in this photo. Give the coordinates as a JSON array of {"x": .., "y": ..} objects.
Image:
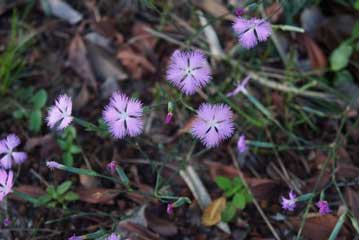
[
  {"x": 239, "y": 11},
  {"x": 289, "y": 203},
  {"x": 170, "y": 208},
  {"x": 189, "y": 71},
  {"x": 241, "y": 144},
  {"x": 52, "y": 165},
  {"x": 168, "y": 118},
  {"x": 111, "y": 166},
  {"x": 7, "y": 147},
  {"x": 251, "y": 31},
  {"x": 240, "y": 88},
  {"x": 323, "y": 207},
  {"x": 123, "y": 116},
  {"x": 59, "y": 115},
  {"x": 213, "y": 124},
  {"x": 6, "y": 183}
]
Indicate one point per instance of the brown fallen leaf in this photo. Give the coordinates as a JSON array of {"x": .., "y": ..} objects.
[
  {"x": 319, "y": 227},
  {"x": 137, "y": 231},
  {"x": 158, "y": 224},
  {"x": 145, "y": 41},
  {"x": 97, "y": 195},
  {"x": 352, "y": 198},
  {"x": 136, "y": 63},
  {"x": 79, "y": 61},
  {"x": 347, "y": 171},
  {"x": 215, "y": 8},
  {"x": 274, "y": 12},
  {"x": 82, "y": 98},
  {"x": 316, "y": 56},
  {"x": 212, "y": 214}
]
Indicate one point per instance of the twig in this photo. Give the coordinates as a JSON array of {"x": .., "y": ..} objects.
[{"x": 259, "y": 209}]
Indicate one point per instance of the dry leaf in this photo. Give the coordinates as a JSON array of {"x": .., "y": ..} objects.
[
  {"x": 97, "y": 195},
  {"x": 159, "y": 225},
  {"x": 215, "y": 8},
  {"x": 274, "y": 12},
  {"x": 315, "y": 54},
  {"x": 352, "y": 198},
  {"x": 88, "y": 182},
  {"x": 212, "y": 214},
  {"x": 137, "y": 64},
  {"x": 318, "y": 227},
  {"x": 82, "y": 98},
  {"x": 79, "y": 62},
  {"x": 347, "y": 171}
]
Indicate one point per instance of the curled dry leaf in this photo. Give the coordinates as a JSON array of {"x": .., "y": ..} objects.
[
  {"x": 79, "y": 62},
  {"x": 213, "y": 212},
  {"x": 97, "y": 195}
]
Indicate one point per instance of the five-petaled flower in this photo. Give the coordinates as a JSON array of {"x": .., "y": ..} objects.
[
  {"x": 289, "y": 203},
  {"x": 251, "y": 31},
  {"x": 323, "y": 207},
  {"x": 124, "y": 116},
  {"x": 59, "y": 115},
  {"x": 6, "y": 183},
  {"x": 189, "y": 71},
  {"x": 7, "y": 147},
  {"x": 213, "y": 124}
]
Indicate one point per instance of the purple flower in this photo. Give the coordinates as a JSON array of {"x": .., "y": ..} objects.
[
  {"x": 251, "y": 31},
  {"x": 189, "y": 71},
  {"x": 170, "y": 208},
  {"x": 323, "y": 207},
  {"x": 240, "y": 88},
  {"x": 241, "y": 144},
  {"x": 7, "y": 147},
  {"x": 213, "y": 124},
  {"x": 59, "y": 115},
  {"x": 52, "y": 165},
  {"x": 113, "y": 236},
  {"x": 111, "y": 166},
  {"x": 123, "y": 116},
  {"x": 6, "y": 222},
  {"x": 239, "y": 11},
  {"x": 6, "y": 183},
  {"x": 289, "y": 203},
  {"x": 168, "y": 118}
]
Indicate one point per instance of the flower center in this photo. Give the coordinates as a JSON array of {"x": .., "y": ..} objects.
[
  {"x": 189, "y": 71},
  {"x": 213, "y": 123},
  {"x": 123, "y": 115}
]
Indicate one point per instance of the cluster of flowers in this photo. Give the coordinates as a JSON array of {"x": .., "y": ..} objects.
[{"x": 291, "y": 203}]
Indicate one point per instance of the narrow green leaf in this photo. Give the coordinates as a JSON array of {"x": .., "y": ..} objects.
[
  {"x": 338, "y": 226},
  {"x": 26, "y": 197},
  {"x": 355, "y": 224},
  {"x": 43, "y": 200},
  {"x": 80, "y": 171},
  {"x": 64, "y": 187},
  {"x": 223, "y": 183},
  {"x": 122, "y": 175},
  {"x": 71, "y": 196},
  {"x": 74, "y": 149},
  {"x": 305, "y": 197}
]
